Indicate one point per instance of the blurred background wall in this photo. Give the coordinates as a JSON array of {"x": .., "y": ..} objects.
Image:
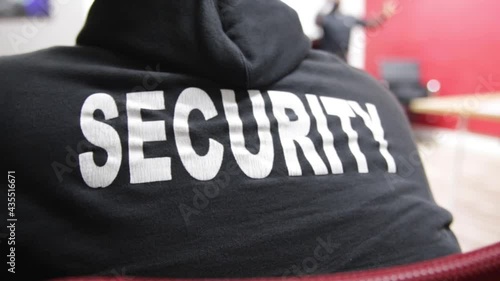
[
  {"x": 456, "y": 42},
  {"x": 21, "y": 35}
]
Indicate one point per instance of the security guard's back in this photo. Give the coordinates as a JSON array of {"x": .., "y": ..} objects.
[{"x": 206, "y": 139}]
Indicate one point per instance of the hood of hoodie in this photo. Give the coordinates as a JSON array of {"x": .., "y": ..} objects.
[{"x": 239, "y": 43}]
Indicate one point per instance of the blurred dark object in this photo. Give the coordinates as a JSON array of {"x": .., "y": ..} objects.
[
  {"x": 480, "y": 265},
  {"x": 22, "y": 8},
  {"x": 403, "y": 78}
]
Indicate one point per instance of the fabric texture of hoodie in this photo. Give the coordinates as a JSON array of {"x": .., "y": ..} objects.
[{"x": 206, "y": 139}]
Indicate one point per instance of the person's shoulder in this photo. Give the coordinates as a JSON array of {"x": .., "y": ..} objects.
[
  {"x": 55, "y": 58},
  {"x": 326, "y": 72},
  {"x": 18, "y": 67},
  {"x": 52, "y": 64},
  {"x": 33, "y": 58},
  {"x": 330, "y": 17},
  {"x": 346, "y": 20},
  {"x": 326, "y": 75},
  {"x": 24, "y": 74}
]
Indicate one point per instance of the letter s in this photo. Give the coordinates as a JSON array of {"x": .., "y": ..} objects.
[{"x": 102, "y": 135}]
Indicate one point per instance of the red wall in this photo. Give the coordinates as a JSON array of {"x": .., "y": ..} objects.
[{"x": 456, "y": 41}]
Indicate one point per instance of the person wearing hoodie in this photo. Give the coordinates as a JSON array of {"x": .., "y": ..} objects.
[{"x": 207, "y": 139}]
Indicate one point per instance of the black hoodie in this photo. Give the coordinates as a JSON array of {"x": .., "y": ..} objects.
[{"x": 206, "y": 139}]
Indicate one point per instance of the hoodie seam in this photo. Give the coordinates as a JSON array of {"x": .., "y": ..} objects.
[{"x": 240, "y": 52}]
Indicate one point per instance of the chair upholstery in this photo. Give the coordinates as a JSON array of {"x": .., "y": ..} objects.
[{"x": 403, "y": 79}]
